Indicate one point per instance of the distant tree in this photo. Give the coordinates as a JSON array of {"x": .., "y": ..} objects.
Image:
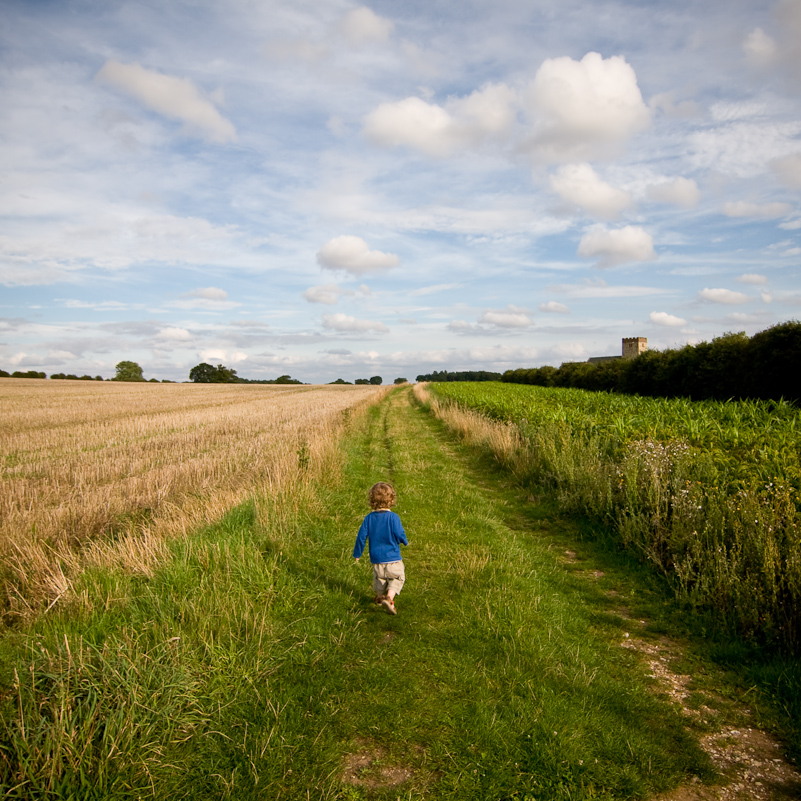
[
  {"x": 362, "y": 381},
  {"x": 376, "y": 379},
  {"x": 207, "y": 374},
  {"x": 401, "y": 380},
  {"x": 128, "y": 371},
  {"x": 4, "y": 374},
  {"x": 339, "y": 381},
  {"x": 285, "y": 379},
  {"x": 27, "y": 374}
]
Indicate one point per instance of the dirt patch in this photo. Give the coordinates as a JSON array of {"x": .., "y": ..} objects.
[
  {"x": 370, "y": 767},
  {"x": 749, "y": 761}
]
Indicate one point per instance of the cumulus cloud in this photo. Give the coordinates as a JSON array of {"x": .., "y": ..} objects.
[
  {"x": 680, "y": 192},
  {"x": 788, "y": 170},
  {"x": 210, "y": 298},
  {"x": 742, "y": 208},
  {"x": 665, "y": 319},
  {"x": 760, "y": 49},
  {"x": 617, "y": 246},
  {"x": 363, "y": 26},
  {"x": 580, "y": 185},
  {"x": 439, "y": 131},
  {"x": 753, "y": 278},
  {"x": 174, "y": 334},
  {"x": 782, "y": 50},
  {"x": 724, "y": 296},
  {"x": 510, "y": 317},
  {"x": 584, "y": 110},
  {"x": 172, "y": 97},
  {"x": 553, "y": 307},
  {"x": 208, "y": 293},
  {"x": 352, "y": 254},
  {"x": 327, "y": 294},
  {"x": 221, "y": 356},
  {"x": 345, "y": 323}
]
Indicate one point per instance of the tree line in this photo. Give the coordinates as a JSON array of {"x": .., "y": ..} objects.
[
  {"x": 463, "y": 375},
  {"x": 765, "y": 366}
]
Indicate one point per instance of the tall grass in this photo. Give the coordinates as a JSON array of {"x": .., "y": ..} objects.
[
  {"x": 101, "y": 474},
  {"x": 707, "y": 493}
]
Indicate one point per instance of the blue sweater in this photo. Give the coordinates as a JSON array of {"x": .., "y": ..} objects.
[{"x": 384, "y": 532}]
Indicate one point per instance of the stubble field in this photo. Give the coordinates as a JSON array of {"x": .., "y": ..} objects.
[{"x": 100, "y": 473}]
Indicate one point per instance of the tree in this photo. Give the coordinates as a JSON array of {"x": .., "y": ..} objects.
[
  {"x": 207, "y": 374},
  {"x": 401, "y": 380},
  {"x": 128, "y": 371},
  {"x": 376, "y": 379},
  {"x": 361, "y": 381}
]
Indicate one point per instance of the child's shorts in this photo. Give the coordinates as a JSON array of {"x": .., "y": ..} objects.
[{"x": 388, "y": 577}]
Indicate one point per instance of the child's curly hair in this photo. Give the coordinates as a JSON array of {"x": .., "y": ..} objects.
[{"x": 382, "y": 495}]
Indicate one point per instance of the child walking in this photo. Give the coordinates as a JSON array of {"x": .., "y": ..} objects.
[{"x": 383, "y": 531}]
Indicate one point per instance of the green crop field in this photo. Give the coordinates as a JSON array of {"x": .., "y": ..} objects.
[{"x": 708, "y": 491}]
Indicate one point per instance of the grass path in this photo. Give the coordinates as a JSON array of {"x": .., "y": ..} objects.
[{"x": 254, "y": 665}]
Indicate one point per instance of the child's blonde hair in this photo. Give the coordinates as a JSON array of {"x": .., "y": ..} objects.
[{"x": 382, "y": 495}]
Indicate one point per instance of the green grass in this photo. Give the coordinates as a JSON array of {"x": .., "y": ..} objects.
[{"x": 254, "y": 665}]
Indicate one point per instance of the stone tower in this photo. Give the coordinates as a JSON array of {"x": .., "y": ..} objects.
[{"x": 634, "y": 346}]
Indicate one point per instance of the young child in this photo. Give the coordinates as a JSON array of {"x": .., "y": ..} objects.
[{"x": 383, "y": 531}]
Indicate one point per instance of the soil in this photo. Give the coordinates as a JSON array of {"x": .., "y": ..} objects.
[{"x": 749, "y": 761}]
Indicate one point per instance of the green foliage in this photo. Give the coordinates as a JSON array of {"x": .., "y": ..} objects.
[
  {"x": 128, "y": 371},
  {"x": 463, "y": 375},
  {"x": 340, "y": 381},
  {"x": 207, "y": 374},
  {"x": 401, "y": 380},
  {"x": 362, "y": 381},
  {"x": 27, "y": 374},
  {"x": 709, "y": 492},
  {"x": 766, "y": 367},
  {"x": 376, "y": 380}
]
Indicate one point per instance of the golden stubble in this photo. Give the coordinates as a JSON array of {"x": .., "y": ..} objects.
[{"x": 103, "y": 473}]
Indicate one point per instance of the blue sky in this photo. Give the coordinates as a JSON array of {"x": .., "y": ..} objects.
[{"x": 328, "y": 189}]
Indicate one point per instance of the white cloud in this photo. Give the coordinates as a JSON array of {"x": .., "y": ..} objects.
[
  {"x": 788, "y": 170},
  {"x": 208, "y": 293},
  {"x": 600, "y": 289},
  {"x": 580, "y": 185},
  {"x": 412, "y": 123},
  {"x": 351, "y": 254},
  {"x": 174, "y": 334},
  {"x": 510, "y": 317},
  {"x": 175, "y": 98},
  {"x": 742, "y": 208},
  {"x": 665, "y": 319},
  {"x": 553, "y": 307},
  {"x": 363, "y": 26},
  {"x": 791, "y": 225},
  {"x": 753, "y": 278},
  {"x": 680, "y": 192},
  {"x": 210, "y": 298},
  {"x": 617, "y": 246},
  {"x": 725, "y": 296},
  {"x": 584, "y": 110},
  {"x": 327, "y": 294},
  {"x": 223, "y": 356},
  {"x": 760, "y": 49},
  {"x": 437, "y": 131},
  {"x": 348, "y": 324}
]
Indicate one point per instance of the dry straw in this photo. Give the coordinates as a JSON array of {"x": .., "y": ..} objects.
[{"x": 101, "y": 474}]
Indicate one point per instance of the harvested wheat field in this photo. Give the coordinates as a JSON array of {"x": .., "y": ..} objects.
[{"x": 101, "y": 473}]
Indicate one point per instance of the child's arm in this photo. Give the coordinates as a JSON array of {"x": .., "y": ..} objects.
[{"x": 361, "y": 539}]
